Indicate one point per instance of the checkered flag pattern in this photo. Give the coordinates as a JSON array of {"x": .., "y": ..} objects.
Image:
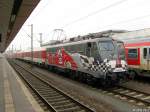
[{"x": 88, "y": 63}]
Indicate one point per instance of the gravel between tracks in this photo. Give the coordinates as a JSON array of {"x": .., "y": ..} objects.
[
  {"x": 140, "y": 86},
  {"x": 92, "y": 97}
]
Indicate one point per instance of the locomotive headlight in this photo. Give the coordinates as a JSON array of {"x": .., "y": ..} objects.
[{"x": 112, "y": 64}]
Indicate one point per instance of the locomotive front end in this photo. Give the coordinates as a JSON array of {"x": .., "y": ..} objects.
[{"x": 113, "y": 54}]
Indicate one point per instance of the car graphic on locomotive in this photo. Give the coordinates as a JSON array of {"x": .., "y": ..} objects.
[
  {"x": 138, "y": 58},
  {"x": 99, "y": 60}
]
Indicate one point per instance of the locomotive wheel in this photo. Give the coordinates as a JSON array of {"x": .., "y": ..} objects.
[
  {"x": 73, "y": 75},
  {"x": 90, "y": 80},
  {"x": 107, "y": 82},
  {"x": 82, "y": 77}
]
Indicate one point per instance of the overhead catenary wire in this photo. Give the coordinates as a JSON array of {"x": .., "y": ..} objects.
[
  {"x": 126, "y": 21},
  {"x": 26, "y": 33},
  {"x": 41, "y": 9},
  {"x": 94, "y": 13},
  {"x": 29, "y": 35}
]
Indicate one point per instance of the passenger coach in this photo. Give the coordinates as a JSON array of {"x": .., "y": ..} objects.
[{"x": 138, "y": 58}]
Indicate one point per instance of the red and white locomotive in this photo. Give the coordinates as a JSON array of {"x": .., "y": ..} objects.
[{"x": 96, "y": 59}]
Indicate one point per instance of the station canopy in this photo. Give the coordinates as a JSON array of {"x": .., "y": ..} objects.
[{"x": 13, "y": 14}]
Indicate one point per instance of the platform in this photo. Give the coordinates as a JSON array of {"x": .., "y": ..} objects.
[{"x": 15, "y": 97}]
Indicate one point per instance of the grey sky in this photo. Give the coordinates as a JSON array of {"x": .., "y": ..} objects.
[{"x": 79, "y": 17}]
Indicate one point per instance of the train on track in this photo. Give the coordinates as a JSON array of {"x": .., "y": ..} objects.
[
  {"x": 137, "y": 47},
  {"x": 91, "y": 58},
  {"x": 138, "y": 58}
]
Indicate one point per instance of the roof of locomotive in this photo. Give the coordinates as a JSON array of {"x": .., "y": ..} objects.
[{"x": 79, "y": 42}]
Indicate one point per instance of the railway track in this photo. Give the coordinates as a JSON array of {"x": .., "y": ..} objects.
[
  {"x": 54, "y": 99},
  {"x": 139, "y": 97}
]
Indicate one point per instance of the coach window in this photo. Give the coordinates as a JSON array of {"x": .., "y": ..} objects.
[
  {"x": 145, "y": 53},
  {"x": 133, "y": 53}
]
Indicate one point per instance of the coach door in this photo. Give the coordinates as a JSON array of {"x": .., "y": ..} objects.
[{"x": 146, "y": 58}]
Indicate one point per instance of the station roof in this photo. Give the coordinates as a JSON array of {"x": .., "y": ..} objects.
[{"x": 13, "y": 14}]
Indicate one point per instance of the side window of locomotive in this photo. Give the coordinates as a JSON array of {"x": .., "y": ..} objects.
[
  {"x": 67, "y": 48},
  {"x": 75, "y": 50},
  {"x": 72, "y": 48},
  {"x": 145, "y": 53},
  {"x": 94, "y": 51},
  {"x": 50, "y": 50},
  {"x": 80, "y": 49},
  {"x": 53, "y": 50},
  {"x": 133, "y": 53}
]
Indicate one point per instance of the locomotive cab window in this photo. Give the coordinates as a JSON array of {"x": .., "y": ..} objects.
[
  {"x": 133, "y": 53},
  {"x": 106, "y": 46}
]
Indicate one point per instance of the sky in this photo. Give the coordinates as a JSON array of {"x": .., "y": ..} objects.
[{"x": 80, "y": 17}]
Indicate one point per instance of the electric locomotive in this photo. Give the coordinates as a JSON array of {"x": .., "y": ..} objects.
[
  {"x": 94, "y": 58},
  {"x": 99, "y": 60}
]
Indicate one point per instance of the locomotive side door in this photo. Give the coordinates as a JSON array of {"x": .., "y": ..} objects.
[
  {"x": 146, "y": 58},
  {"x": 88, "y": 49}
]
